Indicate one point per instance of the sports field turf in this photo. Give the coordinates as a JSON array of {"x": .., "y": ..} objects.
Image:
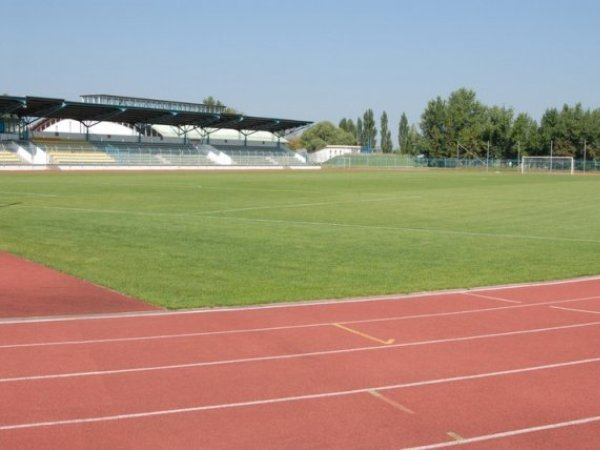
[{"x": 205, "y": 238}]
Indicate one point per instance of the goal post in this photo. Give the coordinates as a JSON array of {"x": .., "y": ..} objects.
[{"x": 548, "y": 164}]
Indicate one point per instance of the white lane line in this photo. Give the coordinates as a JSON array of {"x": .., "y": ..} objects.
[
  {"x": 286, "y": 327},
  {"x": 271, "y": 401},
  {"x": 491, "y": 297},
  {"x": 505, "y": 434},
  {"x": 589, "y": 311},
  {"x": 161, "y": 336},
  {"x": 298, "y": 304},
  {"x": 294, "y": 355}
]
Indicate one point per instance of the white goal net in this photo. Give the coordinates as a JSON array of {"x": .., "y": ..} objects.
[{"x": 541, "y": 164}]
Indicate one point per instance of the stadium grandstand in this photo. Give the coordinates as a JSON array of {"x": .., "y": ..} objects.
[{"x": 108, "y": 132}]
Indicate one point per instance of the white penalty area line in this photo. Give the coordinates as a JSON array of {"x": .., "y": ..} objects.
[
  {"x": 293, "y": 355},
  {"x": 206, "y": 214},
  {"x": 285, "y": 327},
  {"x": 223, "y": 211},
  {"x": 406, "y": 229},
  {"x": 271, "y": 401},
  {"x": 511, "y": 433}
]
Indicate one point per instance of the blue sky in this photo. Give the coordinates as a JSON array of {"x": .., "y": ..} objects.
[{"x": 310, "y": 60}]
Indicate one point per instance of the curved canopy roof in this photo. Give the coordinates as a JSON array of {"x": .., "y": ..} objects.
[{"x": 41, "y": 107}]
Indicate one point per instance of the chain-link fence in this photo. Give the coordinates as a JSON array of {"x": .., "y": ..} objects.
[{"x": 406, "y": 161}]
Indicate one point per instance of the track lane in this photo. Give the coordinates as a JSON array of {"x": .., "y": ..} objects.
[
  {"x": 581, "y": 434},
  {"x": 471, "y": 407},
  {"x": 535, "y": 293},
  {"x": 358, "y": 420},
  {"x": 120, "y": 355},
  {"x": 494, "y": 405},
  {"x": 42, "y": 400},
  {"x": 220, "y": 320}
]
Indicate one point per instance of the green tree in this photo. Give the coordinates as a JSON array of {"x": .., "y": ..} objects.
[
  {"x": 211, "y": 101},
  {"x": 325, "y": 133},
  {"x": 348, "y": 125},
  {"x": 592, "y": 134},
  {"x": 433, "y": 128},
  {"x": 549, "y": 131},
  {"x": 415, "y": 144},
  {"x": 572, "y": 122},
  {"x": 294, "y": 143},
  {"x": 403, "y": 134},
  {"x": 458, "y": 121},
  {"x": 386, "y": 135},
  {"x": 359, "y": 132},
  {"x": 524, "y": 136},
  {"x": 369, "y": 134},
  {"x": 465, "y": 121},
  {"x": 497, "y": 131}
]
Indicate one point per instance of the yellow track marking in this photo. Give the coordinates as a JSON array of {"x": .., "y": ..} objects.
[
  {"x": 455, "y": 436},
  {"x": 366, "y": 336},
  {"x": 389, "y": 401}
]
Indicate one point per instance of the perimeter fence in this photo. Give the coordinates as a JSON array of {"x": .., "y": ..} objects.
[{"x": 378, "y": 161}]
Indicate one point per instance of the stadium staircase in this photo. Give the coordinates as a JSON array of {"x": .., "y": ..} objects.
[{"x": 260, "y": 155}]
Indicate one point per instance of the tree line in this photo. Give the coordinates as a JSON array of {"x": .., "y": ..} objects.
[{"x": 462, "y": 126}]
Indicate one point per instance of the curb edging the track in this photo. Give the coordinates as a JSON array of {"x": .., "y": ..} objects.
[{"x": 289, "y": 304}]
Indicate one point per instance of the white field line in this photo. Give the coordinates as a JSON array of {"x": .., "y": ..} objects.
[
  {"x": 406, "y": 229},
  {"x": 192, "y": 186},
  {"x": 296, "y": 355},
  {"x": 589, "y": 311},
  {"x": 30, "y": 194},
  {"x": 271, "y": 401},
  {"x": 205, "y": 214},
  {"x": 283, "y": 327},
  {"x": 305, "y": 205},
  {"x": 510, "y": 433},
  {"x": 219, "y": 211}
]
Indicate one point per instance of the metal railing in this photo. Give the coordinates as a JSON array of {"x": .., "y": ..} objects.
[{"x": 406, "y": 161}]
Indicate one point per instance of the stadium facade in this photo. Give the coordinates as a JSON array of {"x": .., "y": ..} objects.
[{"x": 107, "y": 132}]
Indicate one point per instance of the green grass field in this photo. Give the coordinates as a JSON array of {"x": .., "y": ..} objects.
[{"x": 198, "y": 239}]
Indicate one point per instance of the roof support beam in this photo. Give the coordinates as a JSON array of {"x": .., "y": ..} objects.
[
  {"x": 229, "y": 123},
  {"x": 109, "y": 115},
  {"x": 48, "y": 111},
  {"x": 245, "y": 133},
  {"x": 30, "y": 109},
  {"x": 9, "y": 109}
]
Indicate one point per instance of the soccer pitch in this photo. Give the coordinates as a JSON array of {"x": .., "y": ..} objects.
[{"x": 192, "y": 239}]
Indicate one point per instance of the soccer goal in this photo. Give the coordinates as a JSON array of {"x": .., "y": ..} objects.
[{"x": 554, "y": 164}]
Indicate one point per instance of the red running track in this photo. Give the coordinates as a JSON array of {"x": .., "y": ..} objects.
[
  {"x": 29, "y": 289},
  {"x": 511, "y": 367}
]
